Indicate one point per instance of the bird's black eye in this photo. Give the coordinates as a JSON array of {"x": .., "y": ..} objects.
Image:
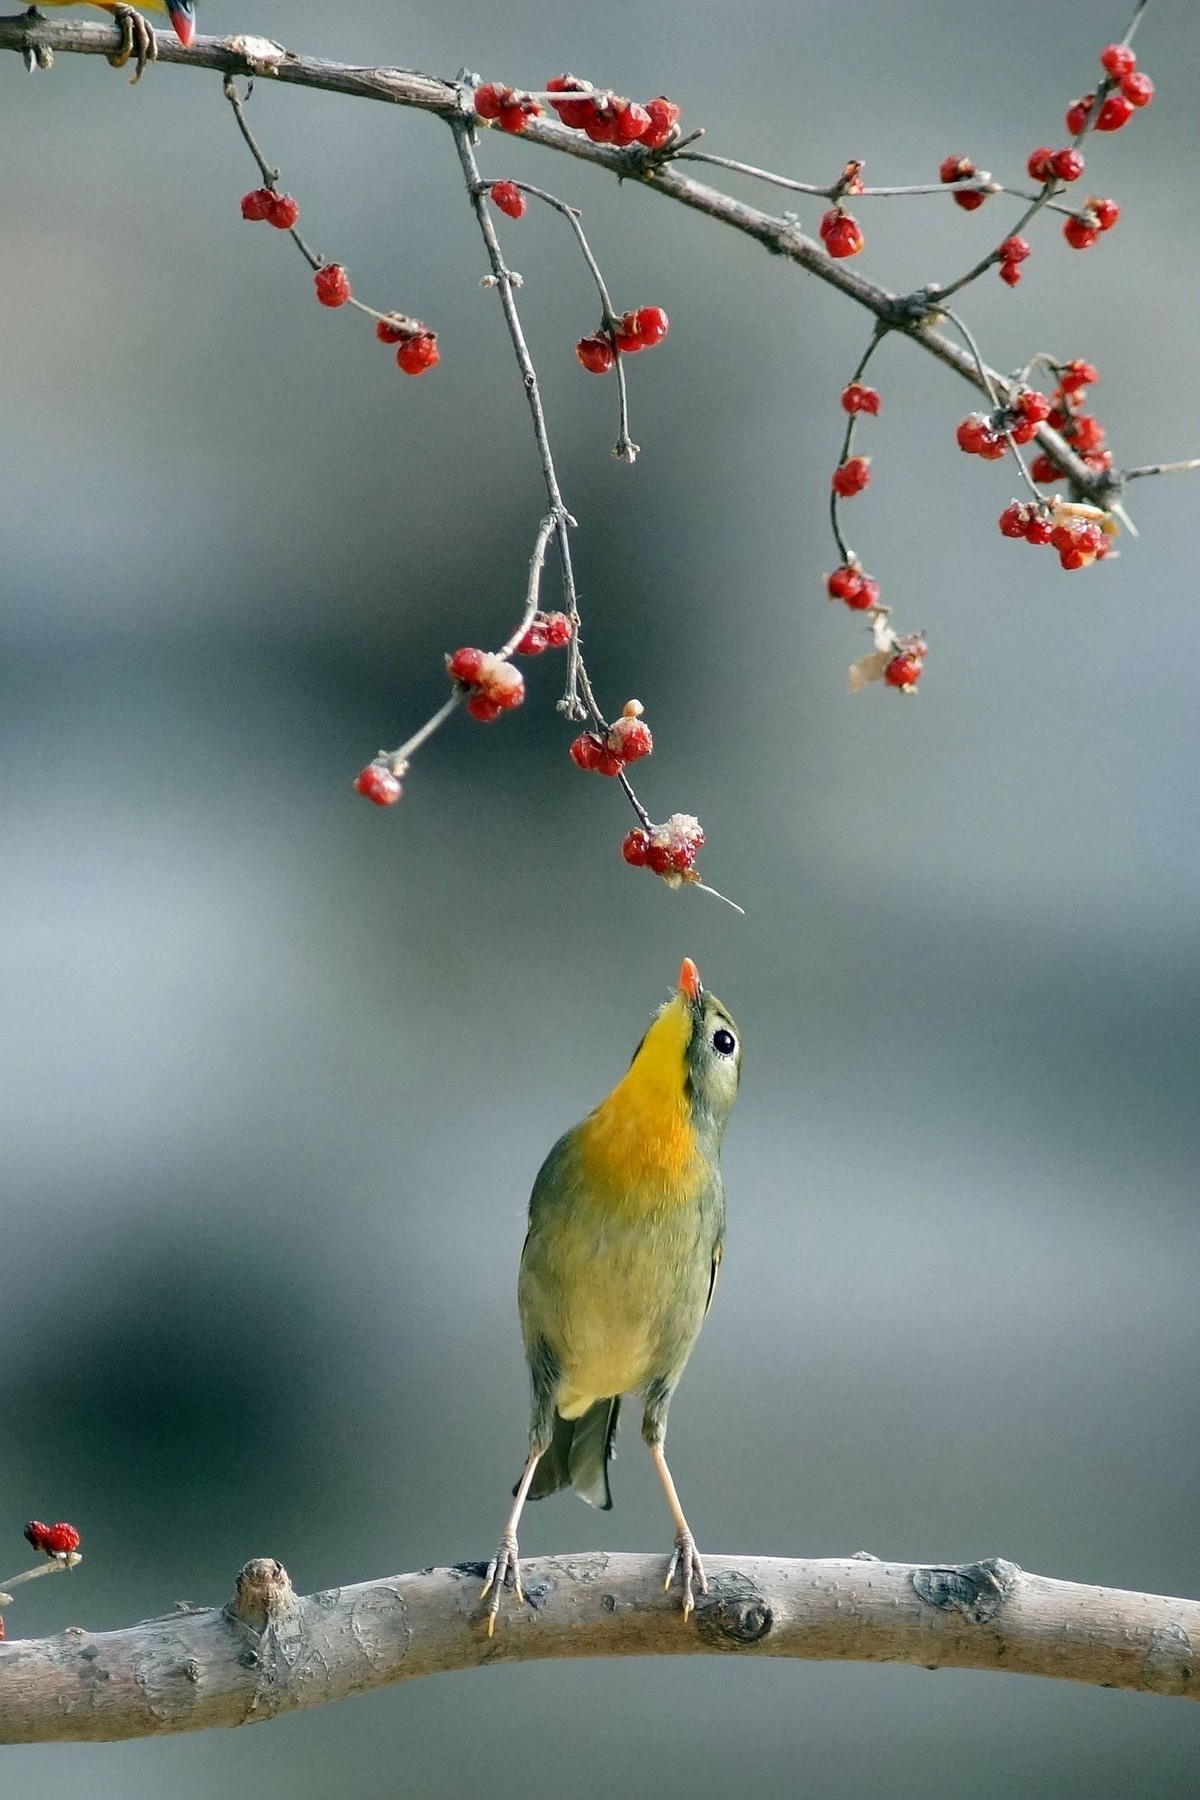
[{"x": 724, "y": 1043}]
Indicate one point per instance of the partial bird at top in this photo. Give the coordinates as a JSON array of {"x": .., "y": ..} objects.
[{"x": 137, "y": 37}]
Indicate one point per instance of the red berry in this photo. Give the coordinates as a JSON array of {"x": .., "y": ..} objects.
[
  {"x": 332, "y": 284},
  {"x": 852, "y": 476},
  {"x": 1010, "y": 272},
  {"x": 501, "y": 682},
  {"x": 1085, "y": 432},
  {"x": 393, "y": 330},
  {"x": 378, "y": 784},
  {"x": 632, "y": 122},
  {"x": 588, "y": 751},
  {"x": 1022, "y": 431},
  {"x": 1106, "y": 212},
  {"x": 1039, "y": 530},
  {"x": 559, "y": 629},
  {"x": 635, "y": 846},
  {"x": 664, "y": 116},
  {"x": 466, "y": 665},
  {"x": 1042, "y": 469},
  {"x": 642, "y": 329},
  {"x": 533, "y": 640},
  {"x": 1040, "y": 164},
  {"x": 1014, "y": 249},
  {"x": 682, "y": 838},
  {"x": 515, "y": 114},
  {"x": 1077, "y": 374},
  {"x": 483, "y": 708},
  {"x": 258, "y": 205},
  {"x": 1032, "y": 405},
  {"x": 1118, "y": 108},
  {"x": 1118, "y": 60},
  {"x": 488, "y": 100},
  {"x": 285, "y": 212},
  {"x": 1013, "y": 520},
  {"x": 418, "y": 353},
  {"x": 630, "y": 739},
  {"x": 575, "y": 113},
  {"x": 658, "y": 858},
  {"x": 860, "y": 399},
  {"x": 508, "y": 199},
  {"x": 842, "y": 234},
  {"x": 858, "y": 590},
  {"x": 53, "y": 1540},
  {"x": 977, "y": 436},
  {"x": 1099, "y": 460},
  {"x": 904, "y": 671},
  {"x": 595, "y": 353},
  {"x": 961, "y": 168},
  {"x": 1067, "y": 164},
  {"x": 1080, "y": 233},
  {"x": 1078, "y": 114},
  {"x": 1138, "y": 90}
]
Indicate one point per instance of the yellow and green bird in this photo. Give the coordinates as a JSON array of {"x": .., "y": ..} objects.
[
  {"x": 626, "y": 1230},
  {"x": 137, "y": 38}
]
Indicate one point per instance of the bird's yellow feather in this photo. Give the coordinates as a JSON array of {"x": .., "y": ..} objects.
[{"x": 638, "y": 1148}]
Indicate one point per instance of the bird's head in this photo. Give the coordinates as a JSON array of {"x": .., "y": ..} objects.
[{"x": 693, "y": 1048}]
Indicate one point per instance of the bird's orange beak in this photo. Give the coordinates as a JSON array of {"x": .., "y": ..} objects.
[
  {"x": 689, "y": 980},
  {"x": 183, "y": 17}
]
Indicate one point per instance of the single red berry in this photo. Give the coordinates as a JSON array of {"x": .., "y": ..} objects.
[
  {"x": 658, "y": 857},
  {"x": 1021, "y": 430},
  {"x": 1033, "y": 405},
  {"x": 483, "y": 708},
  {"x": 258, "y": 205},
  {"x": 1077, "y": 374},
  {"x": 394, "y": 329},
  {"x": 993, "y": 447},
  {"x": 632, "y": 122},
  {"x": 285, "y": 212},
  {"x": 1014, "y": 249},
  {"x": 856, "y": 398},
  {"x": 466, "y": 665},
  {"x": 1067, "y": 164},
  {"x": 1085, "y": 432},
  {"x": 1013, "y": 520},
  {"x": 574, "y": 113},
  {"x": 961, "y": 168},
  {"x": 588, "y": 751},
  {"x": 501, "y": 682},
  {"x": 596, "y": 353},
  {"x": 635, "y": 846},
  {"x": 1040, "y": 164},
  {"x": 973, "y": 433},
  {"x": 559, "y": 629},
  {"x": 332, "y": 284},
  {"x": 1039, "y": 530},
  {"x": 852, "y": 476},
  {"x": 489, "y": 99},
  {"x": 508, "y": 199},
  {"x": 533, "y": 640},
  {"x": 1080, "y": 233},
  {"x": 377, "y": 784},
  {"x": 664, "y": 116},
  {"x": 904, "y": 671},
  {"x": 682, "y": 837},
  {"x": 1099, "y": 460},
  {"x": 1078, "y": 114},
  {"x": 418, "y": 353},
  {"x": 516, "y": 110},
  {"x": 1118, "y": 109},
  {"x": 53, "y": 1540},
  {"x": 1137, "y": 89},
  {"x": 1118, "y": 60},
  {"x": 1042, "y": 469},
  {"x": 842, "y": 233},
  {"x": 1010, "y": 272},
  {"x": 1106, "y": 212},
  {"x": 630, "y": 739}
]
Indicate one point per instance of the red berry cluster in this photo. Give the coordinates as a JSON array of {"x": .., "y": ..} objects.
[
  {"x": 841, "y": 233},
  {"x": 980, "y": 434},
  {"x": 670, "y": 850},
  {"x": 495, "y": 685},
  {"x": 848, "y": 583},
  {"x": 1029, "y": 521},
  {"x": 507, "y": 107},
  {"x": 851, "y": 477},
  {"x": 638, "y": 330},
  {"x": 53, "y": 1540},
  {"x": 856, "y": 399},
  {"x": 545, "y": 631},
  {"x": 1124, "y": 91},
  {"x": 418, "y": 345},
  {"x": 606, "y": 118},
  {"x": 627, "y": 740},
  {"x": 1045, "y": 164},
  {"x": 1081, "y": 430},
  {"x": 961, "y": 168},
  {"x": 1079, "y": 539},
  {"x": 1083, "y": 229},
  {"x": 508, "y": 199},
  {"x": 264, "y": 204}
]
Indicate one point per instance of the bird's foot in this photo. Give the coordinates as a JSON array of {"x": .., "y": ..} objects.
[
  {"x": 686, "y": 1558},
  {"x": 503, "y": 1571},
  {"x": 34, "y": 55},
  {"x": 137, "y": 40}
]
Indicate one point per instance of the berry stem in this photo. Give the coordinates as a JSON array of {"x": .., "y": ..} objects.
[
  {"x": 54, "y": 1565},
  {"x": 1172, "y": 468},
  {"x": 838, "y": 189},
  {"x": 985, "y": 374},
  {"x": 877, "y": 337}
]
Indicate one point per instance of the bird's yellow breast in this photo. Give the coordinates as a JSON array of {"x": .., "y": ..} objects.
[{"x": 637, "y": 1151}]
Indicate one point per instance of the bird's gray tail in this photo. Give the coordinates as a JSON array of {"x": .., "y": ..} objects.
[{"x": 579, "y": 1455}]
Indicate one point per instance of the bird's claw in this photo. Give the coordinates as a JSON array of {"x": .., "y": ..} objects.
[
  {"x": 686, "y": 1558},
  {"x": 503, "y": 1571},
  {"x": 137, "y": 40}
]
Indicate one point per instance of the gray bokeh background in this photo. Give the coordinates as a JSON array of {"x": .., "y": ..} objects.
[{"x": 278, "y": 1069}]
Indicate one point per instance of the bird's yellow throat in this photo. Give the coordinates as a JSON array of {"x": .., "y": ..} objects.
[{"x": 638, "y": 1149}]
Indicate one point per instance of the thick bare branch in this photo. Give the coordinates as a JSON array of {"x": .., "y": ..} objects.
[
  {"x": 913, "y": 316},
  {"x": 269, "y": 1652}
]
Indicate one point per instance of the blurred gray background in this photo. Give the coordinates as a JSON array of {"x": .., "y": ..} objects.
[{"x": 279, "y": 1068}]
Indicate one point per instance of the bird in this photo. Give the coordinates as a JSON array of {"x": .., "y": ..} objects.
[
  {"x": 619, "y": 1267},
  {"x": 137, "y": 37}
]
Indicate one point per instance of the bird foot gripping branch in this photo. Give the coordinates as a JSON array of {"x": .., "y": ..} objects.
[
  {"x": 138, "y": 41},
  {"x": 626, "y": 1233}
]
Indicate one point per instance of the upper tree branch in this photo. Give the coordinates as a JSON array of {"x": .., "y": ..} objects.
[
  {"x": 269, "y": 1651},
  {"x": 405, "y": 87}
]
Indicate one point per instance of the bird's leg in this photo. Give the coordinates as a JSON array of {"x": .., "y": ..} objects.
[
  {"x": 685, "y": 1556},
  {"x": 137, "y": 40},
  {"x": 505, "y": 1566},
  {"x": 34, "y": 55}
]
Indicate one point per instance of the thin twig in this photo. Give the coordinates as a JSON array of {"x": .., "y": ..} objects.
[{"x": 1172, "y": 468}]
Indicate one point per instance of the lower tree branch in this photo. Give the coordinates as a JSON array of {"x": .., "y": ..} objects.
[{"x": 269, "y": 1651}]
